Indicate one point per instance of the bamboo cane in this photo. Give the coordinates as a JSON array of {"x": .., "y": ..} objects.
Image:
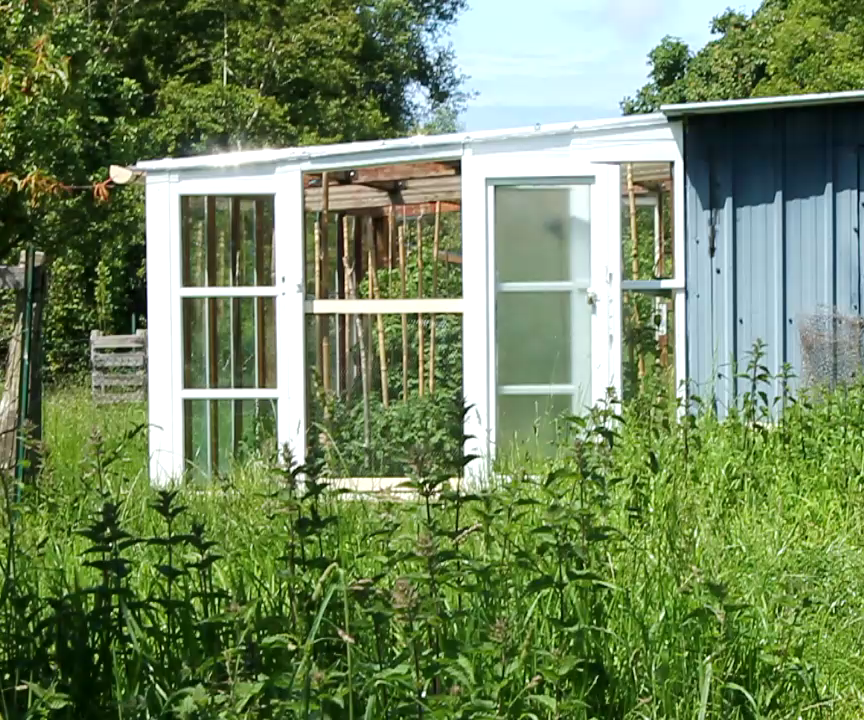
[
  {"x": 375, "y": 292},
  {"x": 634, "y": 252},
  {"x": 421, "y": 349},
  {"x": 351, "y": 291},
  {"x": 319, "y": 328},
  {"x": 401, "y": 234},
  {"x": 323, "y": 326},
  {"x": 435, "y": 249},
  {"x": 346, "y": 225},
  {"x": 663, "y": 340}
]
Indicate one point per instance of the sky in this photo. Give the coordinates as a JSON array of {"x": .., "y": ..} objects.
[{"x": 567, "y": 60}]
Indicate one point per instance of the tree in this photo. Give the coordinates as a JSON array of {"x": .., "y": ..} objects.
[
  {"x": 88, "y": 83},
  {"x": 784, "y": 47}
]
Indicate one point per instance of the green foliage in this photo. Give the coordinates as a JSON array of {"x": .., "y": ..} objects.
[
  {"x": 655, "y": 569},
  {"x": 413, "y": 427},
  {"x": 86, "y": 84},
  {"x": 785, "y": 47}
]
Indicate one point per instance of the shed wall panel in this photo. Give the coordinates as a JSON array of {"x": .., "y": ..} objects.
[{"x": 774, "y": 208}]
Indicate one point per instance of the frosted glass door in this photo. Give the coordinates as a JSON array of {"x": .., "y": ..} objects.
[{"x": 546, "y": 304}]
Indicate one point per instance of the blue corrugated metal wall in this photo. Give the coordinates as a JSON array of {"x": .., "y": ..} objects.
[{"x": 773, "y": 210}]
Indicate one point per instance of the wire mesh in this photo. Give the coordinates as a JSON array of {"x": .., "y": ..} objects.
[{"x": 832, "y": 347}]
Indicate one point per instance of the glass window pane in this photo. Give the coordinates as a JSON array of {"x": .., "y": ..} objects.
[
  {"x": 267, "y": 341},
  {"x": 195, "y": 342},
  {"x": 256, "y": 429},
  {"x": 194, "y": 239},
  {"x": 222, "y": 450},
  {"x": 229, "y": 342},
  {"x": 534, "y": 338},
  {"x": 530, "y": 419},
  {"x": 221, "y": 374},
  {"x": 538, "y": 230},
  {"x": 219, "y": 272},
  {"x": 219, "y": 433},
  {"x": 197, "y": 435},
  {"x": 227, "y": 241}
]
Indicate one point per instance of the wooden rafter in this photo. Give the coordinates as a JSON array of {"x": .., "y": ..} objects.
[{"x": 408, "y": 192}]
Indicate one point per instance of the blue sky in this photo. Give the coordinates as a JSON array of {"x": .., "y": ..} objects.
[{"x": 558, "y": 60}]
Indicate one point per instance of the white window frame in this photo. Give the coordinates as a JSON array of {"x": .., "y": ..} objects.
[
  {"x": 167, "y": 394},
  {"x": 483, "y": 174}
]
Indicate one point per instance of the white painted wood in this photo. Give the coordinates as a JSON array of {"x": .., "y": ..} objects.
[
  {"x": 680, "y": 260},
  {"x": 290, "y": 266},
  {"x": 229, "y": 292},
  {"x": 610, "y": 274},
  {"x": 561, "y": 168},
  {"x": 229, "y": 394},
  {"x": 475, "y": 315},
  {"x": 386, "y": 306},
  {"x": 556, "y": 286},
  {"x": 641, "y": 201},
  {"x": 241, "y": 181},
  {"x": 649, "y": 286},
  {"x": 536, "y": 389},
  {"x": 160, "y": 363},
  {"x": 413, "y": 149}
]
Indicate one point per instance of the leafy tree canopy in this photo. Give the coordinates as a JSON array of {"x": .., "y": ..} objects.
[
  {"x": 88, "y": 83},
  {"x": 784, "y": 47}
]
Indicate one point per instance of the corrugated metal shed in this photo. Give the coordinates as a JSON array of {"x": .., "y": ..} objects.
[{"x": 773, "y": 208}]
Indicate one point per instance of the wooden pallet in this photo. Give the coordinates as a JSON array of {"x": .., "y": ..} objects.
[{"x": 118, "y": 367}]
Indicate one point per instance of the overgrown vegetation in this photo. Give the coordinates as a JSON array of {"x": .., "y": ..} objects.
[
  {"x": 411, "y": 424},
  {"x": 653, "y": 569}
]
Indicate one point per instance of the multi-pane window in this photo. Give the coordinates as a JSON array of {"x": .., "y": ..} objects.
[{"x": 228, "y": 307}]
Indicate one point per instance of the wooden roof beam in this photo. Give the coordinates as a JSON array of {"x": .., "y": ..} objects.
[
  {"x": 386, "y": 173},
  {"x": 358, "y": 197},
  {"x": 408, "y": 171}
]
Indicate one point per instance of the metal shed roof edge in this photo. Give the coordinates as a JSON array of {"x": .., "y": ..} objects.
[
  {"x": 679, "y": 110},
  {"x": 419, "y": 142}
]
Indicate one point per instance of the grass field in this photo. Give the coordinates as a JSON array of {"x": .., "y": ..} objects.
[{"x": 657, "y": 570}]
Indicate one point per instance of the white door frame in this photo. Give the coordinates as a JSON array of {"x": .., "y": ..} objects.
[{"x": 481, "y": 174}]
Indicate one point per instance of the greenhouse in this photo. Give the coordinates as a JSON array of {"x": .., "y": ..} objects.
[
  {"x": 376, "y": 306},
  {"x": 343, "y": 301}
]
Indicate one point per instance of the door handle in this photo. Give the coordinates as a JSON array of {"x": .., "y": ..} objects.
[{"x": 591, "y": 298}]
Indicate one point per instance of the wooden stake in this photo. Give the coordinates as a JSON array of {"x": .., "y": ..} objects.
[
  {"x": 323, "y": 325},
  {"x": 375, "y": 292},
  {"x": 421, "y": 349},
  {"x": 435, "y": 249},
  {"x": 342, "y": 326},
  {"x": 348, "y": 269},
  {"x": 634, "y": 251},
  {"x": 663, "y": 340},
  {"x": 401, "y": 234},
  {"x": 351, "y": 291}
]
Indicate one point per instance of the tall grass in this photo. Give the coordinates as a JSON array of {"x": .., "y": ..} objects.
[{"x": 653, "y": 569}]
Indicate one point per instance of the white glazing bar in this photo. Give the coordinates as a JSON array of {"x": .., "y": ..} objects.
[
  {"x": 389, "y": 306},
  {"x": 649, "y": 286},
  {"x": 679, "y": 259},
  {"x": 230, "y": 394},
  {"x": 556, "y": 286},
  {"x": 542, "y": 390},
  {"x": 228, "y": 292}
]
